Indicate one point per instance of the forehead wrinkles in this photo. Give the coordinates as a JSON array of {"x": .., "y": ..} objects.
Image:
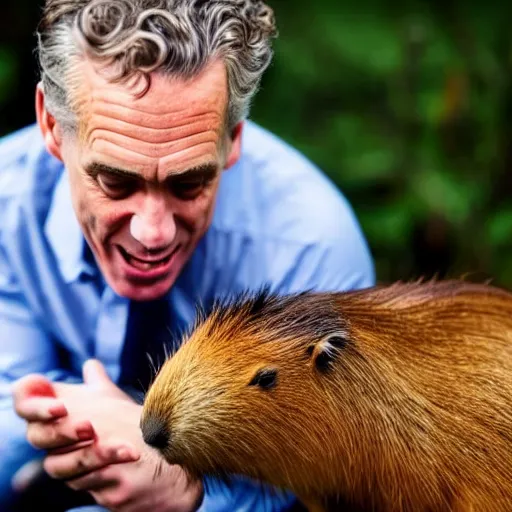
[
  {"x": 169, "y": 105},
  {"x": 161, "y": 124},
  {"x": 160, "y": 102},
  {"x": 110, "y": 119},
  {"x": 154, "y": 144},
  {"x": 198, "y": 124},
  {"x": 193, "y": 152}
]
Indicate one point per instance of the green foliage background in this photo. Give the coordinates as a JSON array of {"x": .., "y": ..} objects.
[{"x": 406, "y": 109}]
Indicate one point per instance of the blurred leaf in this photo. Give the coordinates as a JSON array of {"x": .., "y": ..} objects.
[
  {"x": 363, "y": 40},
  {"x": 363, "y": 152},
  {"x": 500, "y": 228},
  {"x": 8, "y": 72},
  {"x": 430, "y": 103},
  {"x": 388, "y": 224},
  {"x": 444, "y": 194}
]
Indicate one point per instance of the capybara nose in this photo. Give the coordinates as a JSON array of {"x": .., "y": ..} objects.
[{"x": 155, "y": 432}]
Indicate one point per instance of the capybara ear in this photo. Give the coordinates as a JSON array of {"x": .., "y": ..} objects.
[{"x": 326, "y": 351}]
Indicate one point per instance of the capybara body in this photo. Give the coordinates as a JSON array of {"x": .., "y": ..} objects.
[{"x": 392, "y": 398}]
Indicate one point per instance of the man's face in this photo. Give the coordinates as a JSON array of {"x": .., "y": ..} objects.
[{"x": 144, "y": 174}]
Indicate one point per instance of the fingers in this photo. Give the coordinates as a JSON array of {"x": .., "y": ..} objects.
[
  {"x": 79, "y": 463},
  {"x": 40, "y": 409},
  {"x": 110, "y": 489},
  {"x": 33, "y": 385},
  {"x": 35, "y": 399},
  {"x": 94, "y": 373},
  {"x": 52, "y": 435},
  {"x": 94, "y": 481},
  {"x": 96, "y": 376}
]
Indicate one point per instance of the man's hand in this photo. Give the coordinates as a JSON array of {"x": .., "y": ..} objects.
[{"x": 92, "y": 435}]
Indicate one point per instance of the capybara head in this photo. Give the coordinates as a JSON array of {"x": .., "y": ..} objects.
[
  {"x": 254, "y": 366},
  {"x": 343, "y": 393}
]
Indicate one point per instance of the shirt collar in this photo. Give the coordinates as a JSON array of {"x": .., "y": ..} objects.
[{"x": 65, "y": 234}]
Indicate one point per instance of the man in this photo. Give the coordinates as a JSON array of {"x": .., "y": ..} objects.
[{"x": 142, "y": 193}]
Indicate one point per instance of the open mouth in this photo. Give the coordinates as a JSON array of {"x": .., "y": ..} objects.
[{"x": 145, "y": 265}]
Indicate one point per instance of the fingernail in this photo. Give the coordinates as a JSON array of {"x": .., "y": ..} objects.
[
  {"x": 84, "y": 433},
  {"x": 125, "y": 454},
  {"x": 58, "y": 410}
]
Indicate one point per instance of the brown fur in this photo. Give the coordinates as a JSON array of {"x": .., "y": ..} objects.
[{"x": 413, "y": 413}]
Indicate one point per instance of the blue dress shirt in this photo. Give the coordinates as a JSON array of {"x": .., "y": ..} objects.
[{"x": 278, "y": 220}]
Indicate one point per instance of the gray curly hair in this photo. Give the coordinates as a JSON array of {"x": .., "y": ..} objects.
[{"x": 177, "y": 37}]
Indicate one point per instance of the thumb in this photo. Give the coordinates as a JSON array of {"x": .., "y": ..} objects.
[{"x": 95, "y": 374}]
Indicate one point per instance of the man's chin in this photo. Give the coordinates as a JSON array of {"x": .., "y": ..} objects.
[{"x": 141, "y": 291}]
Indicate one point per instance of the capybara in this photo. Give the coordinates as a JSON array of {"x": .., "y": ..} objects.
[{"x": 391, "y": 398}]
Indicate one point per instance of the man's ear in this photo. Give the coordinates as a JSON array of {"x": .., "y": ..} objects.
[
  {"x": 235, "y": 145},
  {"x": 49, "y": 127}
]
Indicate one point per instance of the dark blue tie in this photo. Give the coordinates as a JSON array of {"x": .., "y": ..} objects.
[{"x": 147, "y": 335}]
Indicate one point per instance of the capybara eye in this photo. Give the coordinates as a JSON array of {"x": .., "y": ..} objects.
[{"x": 265, "y": 378}]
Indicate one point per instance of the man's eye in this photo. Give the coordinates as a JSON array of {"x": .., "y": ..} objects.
[
  {"x": 116, "y": 188},
  {"x": 188, "y": 189}
]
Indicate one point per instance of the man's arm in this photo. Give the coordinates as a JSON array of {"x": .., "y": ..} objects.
[
  {"x": 329, "y": 265},
  {"x": 26, "y": 348}
]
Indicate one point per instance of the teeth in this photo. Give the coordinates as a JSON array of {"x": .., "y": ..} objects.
[{"x": 144, "y": 265}]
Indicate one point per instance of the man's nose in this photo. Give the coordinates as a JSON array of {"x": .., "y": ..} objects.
[{"x": 154, "y": 226}]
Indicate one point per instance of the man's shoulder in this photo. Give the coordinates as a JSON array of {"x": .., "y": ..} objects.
[
  {"x": 27, "y": 173},
  {"x": 15, "y": 149},
  {"x": 279, "y": 219},
  {"x": 277, "y": 192}
]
